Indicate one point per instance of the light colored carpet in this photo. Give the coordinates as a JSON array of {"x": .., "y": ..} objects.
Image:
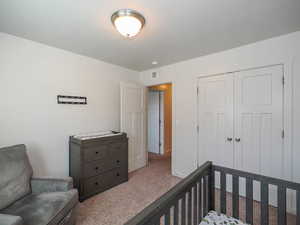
[{"x": 119, "y": 204}]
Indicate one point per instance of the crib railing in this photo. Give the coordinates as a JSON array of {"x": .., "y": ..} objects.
[
  {"x": 264, "y": 182},
  {"x": 184, "y": 204},
  {"x": 191, "y": 199}
]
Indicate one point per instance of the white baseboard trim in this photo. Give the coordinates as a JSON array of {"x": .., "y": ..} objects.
[{"x": 178, "y": 174}]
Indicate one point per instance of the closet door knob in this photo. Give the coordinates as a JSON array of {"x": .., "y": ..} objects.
[
  {"x": 237, "y": 139},
  {"x": 229, "y": 139}
]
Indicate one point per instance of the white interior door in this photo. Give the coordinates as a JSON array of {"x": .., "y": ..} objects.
[
  {"x": 161, "y": 122},
  {"x": 153, "y": 121},
  {"x": 215, "y": 102},
  {"x": 133, "y": 123},
  {"x": 259, "y": 123}
]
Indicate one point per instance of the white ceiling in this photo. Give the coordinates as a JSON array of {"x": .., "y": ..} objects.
[{"x": 175, "y": 30}]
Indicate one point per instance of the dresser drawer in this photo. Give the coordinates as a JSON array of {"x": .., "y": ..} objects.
[
  {"x": 96, "y": 167},
  {"x": 97, "y": 164},
  {"x": 118, "y": 154},
  {"x": 105, "y": 181},
  {"x": 95, "y": 153}
]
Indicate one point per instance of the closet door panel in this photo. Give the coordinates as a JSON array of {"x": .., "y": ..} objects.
[
  {"x": 215, "y": 101},
  {"x": 259, "y": 123}
]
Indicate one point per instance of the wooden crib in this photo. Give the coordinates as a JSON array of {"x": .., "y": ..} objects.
[{"x": 191, "y": 199}]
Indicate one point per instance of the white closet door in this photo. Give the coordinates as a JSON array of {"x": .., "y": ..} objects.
[
  {"x": 215, "y": 101},
  {"x": 259, "y": 124},
  {"x": 259, "y": 121}
]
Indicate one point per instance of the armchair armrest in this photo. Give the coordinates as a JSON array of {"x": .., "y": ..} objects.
[
  {"x": 6, "y": 219},
  {"x": 40, "y": 184}
]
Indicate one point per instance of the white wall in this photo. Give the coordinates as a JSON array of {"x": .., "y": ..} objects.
[
  {"x": 183, "y": 75},
  {"x": 31, "y": 76}
]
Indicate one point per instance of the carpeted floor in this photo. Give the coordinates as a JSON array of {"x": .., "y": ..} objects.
[{"x": 117, "y": 205}]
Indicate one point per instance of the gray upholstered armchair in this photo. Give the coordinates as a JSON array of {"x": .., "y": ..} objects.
[{"x": 25, "y": 200}]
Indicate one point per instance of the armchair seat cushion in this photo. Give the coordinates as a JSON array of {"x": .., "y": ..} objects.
[{"x": 44, "y": 208}]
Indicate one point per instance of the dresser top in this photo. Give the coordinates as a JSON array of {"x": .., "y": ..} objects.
[{"x": 97, "y": 136}]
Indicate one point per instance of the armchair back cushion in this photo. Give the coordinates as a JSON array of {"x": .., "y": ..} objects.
[{"x": 15, "y": 174}]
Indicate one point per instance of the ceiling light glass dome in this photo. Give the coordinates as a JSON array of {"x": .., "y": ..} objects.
[{"x": 128, "y": 22}]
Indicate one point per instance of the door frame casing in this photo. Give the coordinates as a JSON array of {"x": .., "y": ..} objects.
[
  {"x": 173, "y": 151},
  {"x": 161, "y": 123}
]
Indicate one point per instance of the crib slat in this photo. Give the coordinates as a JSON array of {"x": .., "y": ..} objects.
[
  {"x": 189, "y": 208},
  {"x": 204, "y": 196},
  {"x": 264, "y": 193},
  {"x": 298, "y": 207},
  {"x": 223, "y": 193},
  {"x": 249, "y": 200},
  {"x": 200, "y": 202},
  {"x": 211, "y": 191},
  {"x": 167, "y": 217},
  {"x": 195, "y": 222},
  {"x": 183, "y": 209},
  {"x": 156, "y": 221},
  {"x": 176, "y": 213},
  {"x": 235, "y": 196},
  {"x": 281, "y": 195}
]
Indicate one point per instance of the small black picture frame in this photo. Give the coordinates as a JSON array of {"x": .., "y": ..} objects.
[{"x": 74, "y": 100}]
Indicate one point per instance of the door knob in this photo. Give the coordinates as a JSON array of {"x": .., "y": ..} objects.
[
  {"x": 237, "y": 139},
  {"x": 229, "y": 139}
]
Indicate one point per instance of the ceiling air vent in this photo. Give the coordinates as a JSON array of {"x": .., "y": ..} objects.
[{"x": 154, "y": 74}]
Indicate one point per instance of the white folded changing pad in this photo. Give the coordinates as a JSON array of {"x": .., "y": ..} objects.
[{"x": 96, "y": 135}]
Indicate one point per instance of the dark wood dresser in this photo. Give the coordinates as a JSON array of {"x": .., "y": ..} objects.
[{"x": 97, "y": 164}]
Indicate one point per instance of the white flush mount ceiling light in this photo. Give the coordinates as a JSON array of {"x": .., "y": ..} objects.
[{"x": 128, "y": 22}]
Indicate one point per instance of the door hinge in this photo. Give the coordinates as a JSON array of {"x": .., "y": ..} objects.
[
  {"x": 282, "y": 133},
  {"x": 197, "y": 90},
  {"x": 283, "y": 80},
  {"x": 197, "y": 128}
]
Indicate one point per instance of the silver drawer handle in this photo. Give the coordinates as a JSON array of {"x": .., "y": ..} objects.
[
  {"x": 229, "y": 139},
  {"x": 237, "y": 139}
]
